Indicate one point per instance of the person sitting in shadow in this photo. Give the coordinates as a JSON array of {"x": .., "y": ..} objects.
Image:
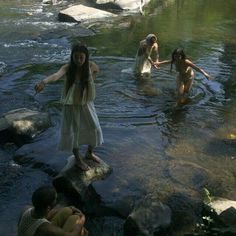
[{"x": 43, "y": 218}]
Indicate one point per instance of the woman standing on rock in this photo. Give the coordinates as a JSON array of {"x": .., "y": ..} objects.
[
  {"x": 80, "y": 124},
  {"x": 146, "y": 57}
]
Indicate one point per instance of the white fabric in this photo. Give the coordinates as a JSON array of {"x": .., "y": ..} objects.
[
  {"x": 28, "y": 225},
  {"x": 142, "y": 64},
  {"x": 73, "y": 96},
  {"x": 80, "y": 124}
]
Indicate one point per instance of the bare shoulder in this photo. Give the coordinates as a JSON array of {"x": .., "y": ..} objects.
[
  {"x": 23, "y": 211},
  {"x": 93, "y": 67},
  {"x": 188, "y": 62},
  {"x": 155, "y": 46}
]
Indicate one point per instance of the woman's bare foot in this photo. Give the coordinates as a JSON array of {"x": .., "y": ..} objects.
[
  {"x": 78, "y": 160},
  {"x": 81, "y": 164},
  {"x": 92, "y": 156}
]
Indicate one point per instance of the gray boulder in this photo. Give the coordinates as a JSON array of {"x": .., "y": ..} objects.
[
  {"x": 22, "y": 125},
  {"x": 81, "y": 13},
  {"x": 150, "y": 217},
  {"x": 72, "y": 180}
]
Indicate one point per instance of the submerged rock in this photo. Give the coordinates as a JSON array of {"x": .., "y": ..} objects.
[{"x": 22, "y": 125}]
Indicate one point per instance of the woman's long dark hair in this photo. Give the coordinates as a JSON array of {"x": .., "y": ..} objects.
[
  {"x": 71, "y": 72},
  {"x": 179, "y": 52}
]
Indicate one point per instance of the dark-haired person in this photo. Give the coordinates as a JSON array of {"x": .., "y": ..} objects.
[
  {"x": 146, "y": 57},
  {"x": 42, "y": 219},
  {"x": 80, "y": 124},
  {"x": 185, "y": 69}
]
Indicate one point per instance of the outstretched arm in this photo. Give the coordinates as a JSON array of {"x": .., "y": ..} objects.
[
  {"x": 51, "y": 78},
  {"x": 189, "y": 63},
  {"x": 158, "y": 63}
]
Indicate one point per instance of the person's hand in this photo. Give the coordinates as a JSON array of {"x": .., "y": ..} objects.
[
  {"x": 156, "y": 65},
  {"x": 39, "y": 87},
  {"x": 75, "y": 210},
  {"x": 51, "y": 214},
  {"x": 209, "y": 77}
]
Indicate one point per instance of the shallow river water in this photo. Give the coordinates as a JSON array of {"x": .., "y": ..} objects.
[{"x": 153, "y": 146}]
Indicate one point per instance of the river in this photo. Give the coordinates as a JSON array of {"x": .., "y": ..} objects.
[{"x": 152, "y": 145}]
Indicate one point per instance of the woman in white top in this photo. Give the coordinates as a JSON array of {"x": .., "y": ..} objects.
[
  {"x": 43, "y": 219},
  {"x": 146, "y": 57},
  {"x": 80, "y": 124}
]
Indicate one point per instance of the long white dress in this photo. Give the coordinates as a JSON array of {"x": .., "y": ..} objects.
[
  {"x": 142, "y": 65},
  {"x": 80, "y": 124}
]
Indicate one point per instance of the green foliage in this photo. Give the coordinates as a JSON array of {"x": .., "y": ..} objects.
[{"x": 206, "y": 195}]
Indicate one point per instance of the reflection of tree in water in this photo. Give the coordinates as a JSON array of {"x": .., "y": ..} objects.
[
  {"x": 228, "y": 58},
  {"x": 147, "y": 87}
]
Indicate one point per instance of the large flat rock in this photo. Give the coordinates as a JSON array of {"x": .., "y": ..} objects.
[{"x": 80, "y": 13}]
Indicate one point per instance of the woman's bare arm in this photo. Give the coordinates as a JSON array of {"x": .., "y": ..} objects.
[
  {"x": 158, "y": 63},
  {"x": 155, "y": 53},
  {"x": 189, "y": 63},
  {"x": 51, "y": 78}
]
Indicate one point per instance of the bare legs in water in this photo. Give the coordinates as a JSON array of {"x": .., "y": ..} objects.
[{"x": 183, "y": 89}]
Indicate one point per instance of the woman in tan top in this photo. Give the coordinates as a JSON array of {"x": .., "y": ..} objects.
[{"x": 80, "y": 124}]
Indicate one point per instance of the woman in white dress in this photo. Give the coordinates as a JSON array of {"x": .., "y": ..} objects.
[
  {"x": 146, "y": 57},
  {"x": 80, "y": 124}
]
